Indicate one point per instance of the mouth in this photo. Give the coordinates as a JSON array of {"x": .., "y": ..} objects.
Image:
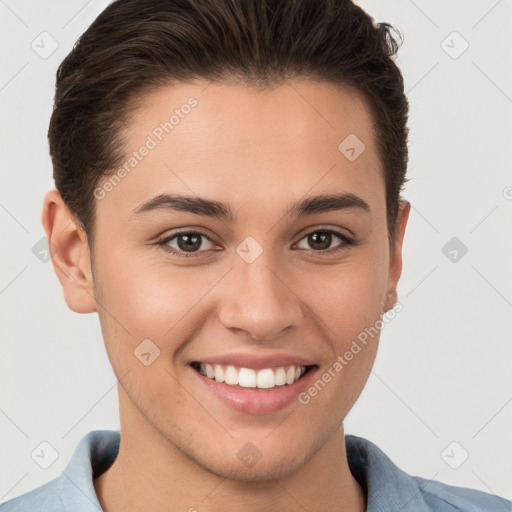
[{"x": 240, "y": 377}]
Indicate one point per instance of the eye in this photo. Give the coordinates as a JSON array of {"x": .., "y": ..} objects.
[
  {"x": 320, "y": 240},
  {"x": 186, "y": 243}
]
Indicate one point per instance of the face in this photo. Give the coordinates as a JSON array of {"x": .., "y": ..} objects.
[{"x": 246, "y": 265}]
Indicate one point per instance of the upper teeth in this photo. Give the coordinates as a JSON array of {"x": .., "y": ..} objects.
[{"x": 249, "y": 378}]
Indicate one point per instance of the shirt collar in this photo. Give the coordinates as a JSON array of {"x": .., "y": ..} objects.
[
  {"x": 386, "y": 486},
  {"x": 93, "y": 455}
]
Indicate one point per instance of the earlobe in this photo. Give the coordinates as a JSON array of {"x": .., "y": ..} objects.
[
  {"x": 395, "y": 260},
  {"x": 69, "y": 252}
]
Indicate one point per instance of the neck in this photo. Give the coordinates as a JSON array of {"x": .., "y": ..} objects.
[{"x": 150, "y": 473}]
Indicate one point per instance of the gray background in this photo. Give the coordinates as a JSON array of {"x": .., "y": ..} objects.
[{"x": 441, "y": 387}]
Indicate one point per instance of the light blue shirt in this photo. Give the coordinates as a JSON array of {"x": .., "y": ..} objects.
[{"x": 388, "y": 488}]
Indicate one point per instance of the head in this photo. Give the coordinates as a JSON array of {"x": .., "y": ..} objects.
[{"x": 250, "y": 109}]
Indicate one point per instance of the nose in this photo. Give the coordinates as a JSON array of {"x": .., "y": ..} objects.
[{"x": 259, "y": 300}]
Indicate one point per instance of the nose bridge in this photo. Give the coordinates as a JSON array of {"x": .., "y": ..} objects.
[{"x": 256, "y": 298}]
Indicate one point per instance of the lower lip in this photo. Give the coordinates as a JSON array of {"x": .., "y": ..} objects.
[{"x": 256, "y": 401}]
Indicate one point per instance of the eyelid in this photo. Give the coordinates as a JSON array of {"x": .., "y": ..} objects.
[{"x": 337, "y": 230}]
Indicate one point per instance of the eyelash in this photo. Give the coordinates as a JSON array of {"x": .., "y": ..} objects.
[{"x": 347, "y": 241}]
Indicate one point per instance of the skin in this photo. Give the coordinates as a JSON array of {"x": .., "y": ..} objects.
[{"x": 260, "y": 152}]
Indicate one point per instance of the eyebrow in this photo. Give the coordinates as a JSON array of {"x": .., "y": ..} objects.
[{"x": 211, "y": 208}]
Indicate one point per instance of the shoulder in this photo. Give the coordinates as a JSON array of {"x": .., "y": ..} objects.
[
  {"x": 46, "y": 497},
  {"x": 73, "y": 489},
  {"x": 389, "y": 488},
  {"x": 440, "y": 496}
]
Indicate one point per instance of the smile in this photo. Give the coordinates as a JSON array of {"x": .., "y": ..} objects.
[{"x": 264, "y": 378}]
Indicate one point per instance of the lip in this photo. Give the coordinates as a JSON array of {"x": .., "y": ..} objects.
[
  {"x": 256, "y": 362},
  {"x": 254, "y": 401}
]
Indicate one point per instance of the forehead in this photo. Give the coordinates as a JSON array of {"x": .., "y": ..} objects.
[
  {"x": 217, "y": 115},
  {"x": 245, "y": 146}
]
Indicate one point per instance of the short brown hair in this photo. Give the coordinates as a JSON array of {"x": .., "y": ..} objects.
[{"x": 134, "y": 46}]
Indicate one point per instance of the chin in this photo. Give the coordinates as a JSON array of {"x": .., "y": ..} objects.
[{"x": 262, "y": 471}]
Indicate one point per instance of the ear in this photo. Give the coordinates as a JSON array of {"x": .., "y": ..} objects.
[
  {"x": 395, "y": 259},
  {"x": 69, "y": 252}
]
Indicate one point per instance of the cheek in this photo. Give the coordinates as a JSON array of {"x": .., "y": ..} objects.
[
  {"x": 158, "y": 300},
  {"x": 347, "y": 298},
  {"x": 348, "y": 309},
  {"x": 347, "y": 305},
  {"x": 147, "y": 300}
]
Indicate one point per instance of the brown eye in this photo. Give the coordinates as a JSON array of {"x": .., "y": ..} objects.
[
  {"x": 186, "y": 243},
  {"x": 321, "y": 240},
  {"x": 189, "y": 242}
]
